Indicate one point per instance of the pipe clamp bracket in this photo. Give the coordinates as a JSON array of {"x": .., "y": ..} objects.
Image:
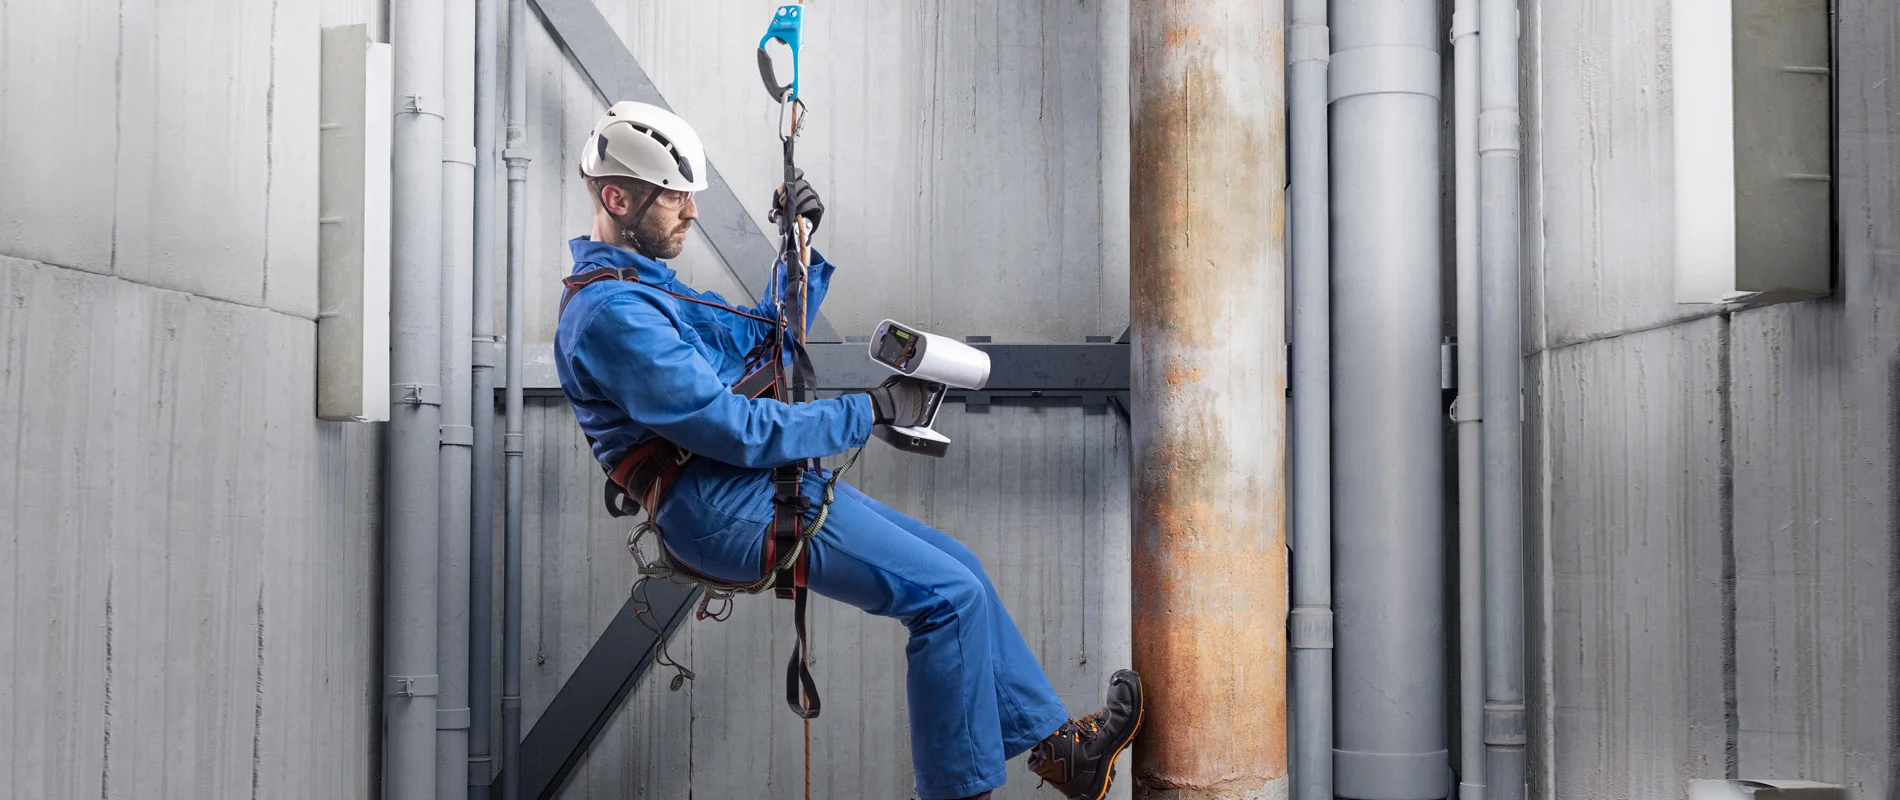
[
  {"x": 516, "y": 156},
  {"x": 419, "y": 104},
  {"x": 514, "y": 444},
  {"x": 410, "y": 685},
  {"x": 1311, "y": 628},
  {"x": 416, "y": 394}
]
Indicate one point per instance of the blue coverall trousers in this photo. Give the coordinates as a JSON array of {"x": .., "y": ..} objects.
[{"x": 977, "y": 695}]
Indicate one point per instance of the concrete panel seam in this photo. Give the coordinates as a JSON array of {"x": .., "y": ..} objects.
[
  {"x": 1565, "y": 344},
  {"x": 311, "y": 318},
  {"x": 1725, "y": 494}
]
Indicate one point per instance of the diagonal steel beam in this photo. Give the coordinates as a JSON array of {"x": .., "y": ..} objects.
[
  {"x": 591, "y": 44},
  {"x": 598, "y": 688}
]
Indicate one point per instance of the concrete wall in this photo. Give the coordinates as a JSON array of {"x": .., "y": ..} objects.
[
  {"x": 191, "y": 557},
  {"x": 1712, "y": 514},
  {"x": 972, "y": 157}
]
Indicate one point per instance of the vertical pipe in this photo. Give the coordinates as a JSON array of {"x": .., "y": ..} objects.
[
  {"x": 1388, "y": 515},
  {"x": 1467, "y": 412},
  {"x": 513, "y": 441},
  {"x": 458, "y": 437},
  {"x": 1498, "y": 132},
  {"x": 1207, "y": 309},
  {"x": 481, "y": 562},
  {"x": 1308, "y": 51},
  {"x": 409, "y": 645}
]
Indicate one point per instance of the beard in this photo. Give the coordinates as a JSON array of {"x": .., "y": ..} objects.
[{"x": 653, "y": 236}]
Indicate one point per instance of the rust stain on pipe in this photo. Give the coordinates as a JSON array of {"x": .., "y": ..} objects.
[{"x": 1207, "y": 309}]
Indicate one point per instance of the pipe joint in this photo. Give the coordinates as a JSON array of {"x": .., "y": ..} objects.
[
  {"x": 1467, "y": 408},
  {"x": 1309, "y": 43},
  {"x": 458, "y": 153},
  {"x": 514, "y": 444},
  {"x": 481, "y": 352},
  {"x": 1387, "y": 69},
  {"x": 1391, "y": 776},
  {"x": 1464, "y": 22},
  {"x": 1498, "y": 132},
  {"x": 457, "y": 435},
  {"x": 451, "y": 719},
  {"x": 1504, "y": 725},
  {"x": 416, "y": 394},
  {"x": 1311, "y": 628}
]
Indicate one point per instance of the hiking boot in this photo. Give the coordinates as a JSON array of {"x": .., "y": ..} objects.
[{"x": 1079, "y": 758}]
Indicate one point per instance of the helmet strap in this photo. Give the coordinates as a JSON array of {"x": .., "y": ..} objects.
[{"x": 630, "y": 222}]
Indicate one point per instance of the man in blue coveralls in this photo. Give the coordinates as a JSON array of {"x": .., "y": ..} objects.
[{"x": 650, "y": 357}]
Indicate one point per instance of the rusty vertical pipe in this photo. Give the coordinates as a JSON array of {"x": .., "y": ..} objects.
[{"x": 1208, "y": 312}]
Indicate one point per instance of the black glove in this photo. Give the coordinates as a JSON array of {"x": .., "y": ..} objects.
[
  {"x": 901, "y": 402},
  {"x": 805, "y": 202}
]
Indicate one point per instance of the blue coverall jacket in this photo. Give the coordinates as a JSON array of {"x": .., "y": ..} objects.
[{"x": 637, "y": 362}]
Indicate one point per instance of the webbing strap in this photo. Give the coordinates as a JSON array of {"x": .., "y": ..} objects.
[{"x": 801, "y": 691}]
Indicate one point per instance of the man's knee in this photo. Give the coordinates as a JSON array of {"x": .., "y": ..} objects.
[{"x": 956, "y": 596}]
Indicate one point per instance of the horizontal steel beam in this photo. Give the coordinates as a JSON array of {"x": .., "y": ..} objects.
[
  {"x": 600, "y": 57},
  {"x": 1027, "y": 369}
]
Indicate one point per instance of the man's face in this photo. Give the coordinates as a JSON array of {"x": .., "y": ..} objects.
[{"x": 661, "y": 232}]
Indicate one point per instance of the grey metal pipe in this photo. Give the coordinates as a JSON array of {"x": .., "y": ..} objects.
[
  {"x": 1498, "y": 137},
  {"x": 1308, "y": 51},
  {"x": 481, "y": 562},
  {"x": 513, "y": 441},
  {"x": 458, "y": 437},
  {"x": 415, "y": 318},
  {"x": 1466, "y": 412},
  {"x": 1387, "y": 448}
]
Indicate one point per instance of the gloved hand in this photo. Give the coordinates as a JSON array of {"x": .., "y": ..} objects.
[
  {"x": 805, "y": 202},
  {"x": 901, "y": 402}
]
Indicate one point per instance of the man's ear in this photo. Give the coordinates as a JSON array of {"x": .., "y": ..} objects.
[{"x": 614, "y": 197}]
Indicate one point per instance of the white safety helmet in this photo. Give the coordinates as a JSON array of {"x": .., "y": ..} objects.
[{"x": 638, "y": 140}]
